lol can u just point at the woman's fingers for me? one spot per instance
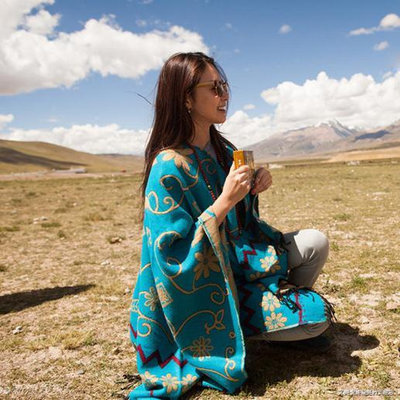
(262, 182)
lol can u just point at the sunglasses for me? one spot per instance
(220, 88)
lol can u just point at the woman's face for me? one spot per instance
(206, 106)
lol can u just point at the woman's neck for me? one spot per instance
(201, 137)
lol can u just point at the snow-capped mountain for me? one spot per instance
(325, 137)
(303, 141)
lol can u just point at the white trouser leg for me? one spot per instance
(307, 252)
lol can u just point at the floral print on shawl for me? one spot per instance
(191, 307)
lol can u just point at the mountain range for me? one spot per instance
(322, 139)
(330, 141)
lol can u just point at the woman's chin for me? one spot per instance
(220, 120)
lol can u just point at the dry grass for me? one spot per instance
(367, 154)
(66, 284)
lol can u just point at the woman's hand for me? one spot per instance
(262, 181)
(237, 184)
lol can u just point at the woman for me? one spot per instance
(212, 273)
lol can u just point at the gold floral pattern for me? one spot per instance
(218, 322)
(201, 347)
(275, 321)
(148, 378)
(163, 295)
(270, 302)
(148, 234)
(188, 379)
(207, 261)
(170, 382)
(270, 263)
(151, 299)
(134, 305)
(257, 275)
(180, 158)
(261, 286)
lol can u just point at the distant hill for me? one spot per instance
(18, 156)
(323, 139)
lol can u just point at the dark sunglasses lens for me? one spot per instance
(221, 88)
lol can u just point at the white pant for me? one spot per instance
(307, 252)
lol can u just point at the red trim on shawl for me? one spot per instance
(156, 354)
(250, 312)
(296, 296)
(246, 253)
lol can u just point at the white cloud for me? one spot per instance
(30, 59)
(381, 46)
(5, 119)
(387, 23)
(42, 23)
(390, 21)
(249, 107)
(228, 25)
(14, 12)
(359, 101)
(356, 102)
(387, 74)
(243, 130)
(89, 138)
(285, 29)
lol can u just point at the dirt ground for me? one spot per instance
(70, 251)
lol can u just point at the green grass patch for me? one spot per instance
(342, 217)
(13, 228)
(50, 224)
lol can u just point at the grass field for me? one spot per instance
(70, 252)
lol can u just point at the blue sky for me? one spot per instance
(71, 68)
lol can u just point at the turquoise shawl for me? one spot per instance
(203, 288)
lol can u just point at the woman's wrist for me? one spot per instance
(221, 207)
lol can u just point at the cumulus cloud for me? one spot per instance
(381, 46)
(249, 107)
(242, 130)
(89, 138)
(359, 101)
(285, 29)
(42, 23)
(387, 23)
(5, 119)
(33, 55)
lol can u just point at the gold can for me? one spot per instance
(244, 157)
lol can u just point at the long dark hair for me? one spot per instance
(172, 124)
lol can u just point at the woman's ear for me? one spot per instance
(188, 104)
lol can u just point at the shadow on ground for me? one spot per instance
(279, 364)
(15, 302)
(268, 365)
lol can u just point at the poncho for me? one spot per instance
(203, 288)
